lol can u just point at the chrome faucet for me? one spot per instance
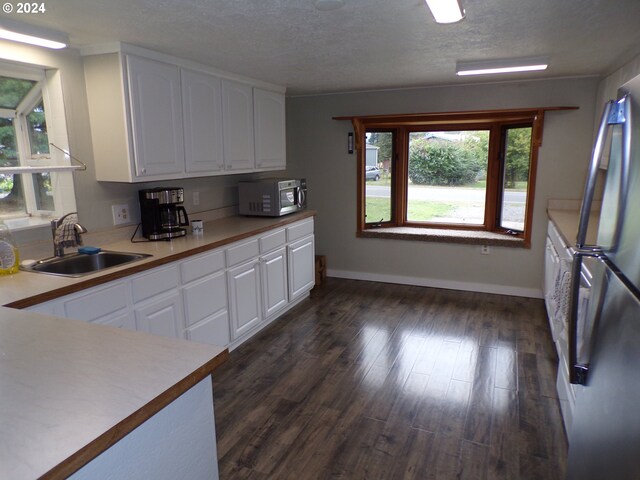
(60, 244)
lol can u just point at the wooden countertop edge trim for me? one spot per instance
(137, 418)
(141, 267)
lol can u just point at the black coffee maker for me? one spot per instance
(162, 215)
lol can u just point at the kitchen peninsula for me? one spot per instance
(80, 396)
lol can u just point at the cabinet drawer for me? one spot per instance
(299, 230)
(201, 265)
(205, 297)
(272, 240)
(241, 252)
(152, 283)
(97, 303)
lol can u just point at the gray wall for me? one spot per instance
(317, 150)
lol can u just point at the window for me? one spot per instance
(27, 96)
(467, 171)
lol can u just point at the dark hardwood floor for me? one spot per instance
(378, 381)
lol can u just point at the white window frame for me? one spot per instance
(50, 91)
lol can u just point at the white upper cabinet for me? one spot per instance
(269, 124)
(163, 118)
(156, 117)
(237, 121)
(202, 111)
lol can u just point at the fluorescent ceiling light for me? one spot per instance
(446, 11)
(25, 33)
(502, 66)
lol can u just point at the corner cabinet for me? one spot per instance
(157, 120)
(222, 296)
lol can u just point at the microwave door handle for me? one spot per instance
(302, 196)
(590, 186)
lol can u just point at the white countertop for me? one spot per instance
(567, 222)
(69, 389)
(26, 288)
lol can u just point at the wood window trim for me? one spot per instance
(489, 233)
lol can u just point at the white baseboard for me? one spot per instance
(435, 283)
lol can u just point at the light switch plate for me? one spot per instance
(485, 250)
(120, 214)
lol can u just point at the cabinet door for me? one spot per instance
(269, 124)
(161, 317)
(204, 297)
(97, 303)
(244, 298)
(124, 320)
(214, 330)
(202, 110)
(551, 265)
(156, 117)
(301, 262)
(274, 281)
(237, 114)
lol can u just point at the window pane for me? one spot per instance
(516, 178)
(13, 90)
(378, 158)
(447, 176)
(43, 191)
(37, 124)
(11, 196)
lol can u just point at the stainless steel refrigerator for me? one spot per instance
(604, 326)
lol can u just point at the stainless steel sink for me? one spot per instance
(79, 264)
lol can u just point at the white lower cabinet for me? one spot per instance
(205, 309)
(244, 298)
(161, 316)
(214, 330)
(121, 320)
(273, 269)
(301, 260)
(221, 297)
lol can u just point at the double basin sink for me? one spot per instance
(79, 264)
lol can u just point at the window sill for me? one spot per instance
(26, 223)
(443, 235)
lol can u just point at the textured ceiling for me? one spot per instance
(367, 44)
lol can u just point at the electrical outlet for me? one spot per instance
(120, 214)
(485, 250)
(196, 198)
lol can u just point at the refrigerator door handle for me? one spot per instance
(577, 372)
(622, 115)
(590, 186)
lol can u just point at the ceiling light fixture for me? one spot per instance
(446, 11)
(502, 66)
(326, 5)
(25, 33)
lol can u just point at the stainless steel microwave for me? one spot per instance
(272, 198)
